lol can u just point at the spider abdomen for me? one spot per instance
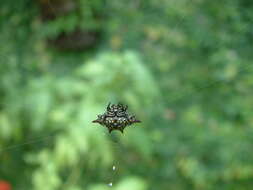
(116, 118)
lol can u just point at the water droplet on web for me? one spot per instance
(110, 184)
(113, 168)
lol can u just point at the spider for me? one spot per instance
(116, 118)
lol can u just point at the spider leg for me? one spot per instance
(109, 106)
(137, 121)
(96, 121)
(110, 129)
(121, 130)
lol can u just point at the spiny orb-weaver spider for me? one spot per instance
(116, 118)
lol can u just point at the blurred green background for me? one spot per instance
(184, 67)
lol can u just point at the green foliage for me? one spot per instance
(184, 67)
(84, 15)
